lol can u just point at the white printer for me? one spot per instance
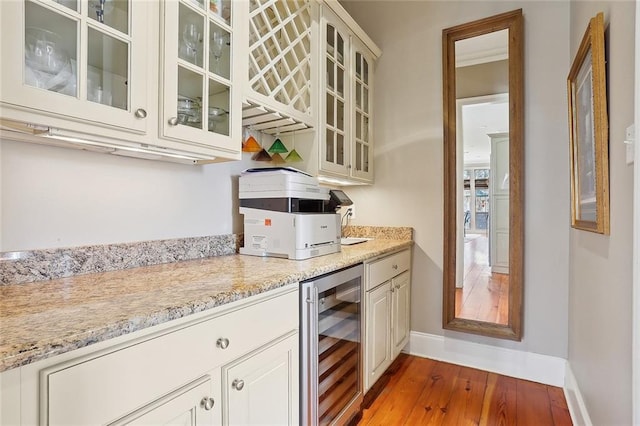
(287, 214)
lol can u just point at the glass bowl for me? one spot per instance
(44, 51)
(216, 115)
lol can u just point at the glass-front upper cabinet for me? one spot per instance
(361, 83)
(334, 139)
(78, 59)
(346, 143)
(200, 105)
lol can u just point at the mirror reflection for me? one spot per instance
(482, 120)
(483, 177)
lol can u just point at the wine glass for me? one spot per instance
(217, 45)
(191, 37)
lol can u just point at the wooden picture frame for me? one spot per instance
(589, 132)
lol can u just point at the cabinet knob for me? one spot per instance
(222, 343)
(207, 403)
(395, 267)
(173, 121)
(237, 384)
(140, 113)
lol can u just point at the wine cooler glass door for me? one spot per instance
(332, 380)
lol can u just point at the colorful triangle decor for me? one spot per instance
(251, 145)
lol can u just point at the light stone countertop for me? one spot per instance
(43, 319)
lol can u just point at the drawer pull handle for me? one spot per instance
(207, 403)
(237, 384)
(140, 113)
(222, 343)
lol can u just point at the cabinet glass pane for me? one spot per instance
(358, 156)
(330, 74)
(365, 71)
(340, 149)
(365, 128)
(189, 110)
(107, 71)
(50, 54)
(359, 95)
(358, 65)
(329, 151)
(218, 111)
(197, 3)
(330, 113)
(339, 49)
(365, 158)
(331, 34)
(340, 115)
(71, 4)
(340, 81)
(365, 99)
(114, 13)
(358, 125)
(190, 33)
(221, 9)
(219, 51)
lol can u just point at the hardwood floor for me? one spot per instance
(485, 295)
(420, 391)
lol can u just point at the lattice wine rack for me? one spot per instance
(280, 65)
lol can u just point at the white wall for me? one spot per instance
(409, 153)
(600, 290)
(57, 197)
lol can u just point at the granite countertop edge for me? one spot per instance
(18, 347)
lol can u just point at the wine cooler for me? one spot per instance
(331, 347)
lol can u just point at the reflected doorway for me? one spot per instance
(483, 292)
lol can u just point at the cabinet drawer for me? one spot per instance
(386, 268)
(101, 389)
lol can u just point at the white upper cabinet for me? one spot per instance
(345, 134)
(201, 105)
(361, 112)
(178, 79)
(335, 130)
(81, 60)
(156, 80)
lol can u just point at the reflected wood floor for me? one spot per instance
(484, 296)
(421, 391)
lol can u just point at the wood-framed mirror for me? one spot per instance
(483, 87)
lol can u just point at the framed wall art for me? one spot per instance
(589, 132)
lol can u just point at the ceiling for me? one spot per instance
(487, 114)
(477, 120)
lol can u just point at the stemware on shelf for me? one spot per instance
(191, 37)
(218, 41)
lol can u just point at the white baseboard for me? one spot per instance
(545, 369)
(575, 402)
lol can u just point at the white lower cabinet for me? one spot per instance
(237, 364)
(378, 332)
(400, 311)
(387, 312)
(261, 388)
(185, 407)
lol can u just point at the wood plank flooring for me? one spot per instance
(485, 295)
(421, 391)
